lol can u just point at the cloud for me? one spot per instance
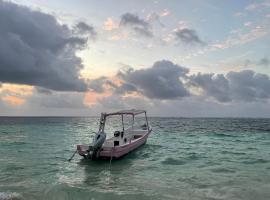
(165, 80)
(126, 88)
(112, 102)
(117, 101)
(13, 100)
(83, 28)
(137, 24)
(123, 88)
(36, 50)
(165, 13)
(105, 84)
(216, 86)
(97, 85)
(248, 85)
(56, 99)
(43, 90)
(248, 23)
(91, 98)
(243, 86)
(67, 100)
(15, 94)
(161, 81)
(188, 36)
(160, 89)
(155, 17)
(242, 38)
(110, 24)
(258, 5)
(264, 62)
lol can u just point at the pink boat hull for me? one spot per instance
(117, 151)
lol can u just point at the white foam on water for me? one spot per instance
(10, 196)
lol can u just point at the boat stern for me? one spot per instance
(83, 150)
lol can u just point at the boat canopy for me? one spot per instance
(126, 112)
(121, 113)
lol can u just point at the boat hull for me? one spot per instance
(117, 151)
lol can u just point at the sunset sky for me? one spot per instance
(197, 58)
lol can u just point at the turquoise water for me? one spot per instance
(183, 159)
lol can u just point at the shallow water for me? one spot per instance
(183, 159)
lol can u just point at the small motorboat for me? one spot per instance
(122, 142)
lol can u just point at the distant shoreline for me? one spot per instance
(149, 116)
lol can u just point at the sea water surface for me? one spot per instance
(185, 159)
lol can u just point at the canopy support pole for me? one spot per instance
(123, 122)
(132, 121)
(102, 122)
(146, 121)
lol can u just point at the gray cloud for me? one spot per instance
(264, 62)
(213, 85)
(154, 17)
(166, 80)
(119, 102)
(140, 26)
(188, 36)
(36, 50)
(126, 88)
(161, 81)
(113, 102)
(244, 86)
(97, 85)
(247, 85)
(43, 90)
(56, 99)
(83, 28)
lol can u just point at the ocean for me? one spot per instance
(185, 159)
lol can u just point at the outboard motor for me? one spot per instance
(98, 140)
(97, 143)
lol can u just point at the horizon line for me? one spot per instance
(86, 116)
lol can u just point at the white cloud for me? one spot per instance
(254, 6)
(165, 13)
(110, 24)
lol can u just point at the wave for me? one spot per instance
(257, 161)
(222, 170)
(233, 152)
(10, 196)
(225, 135)
(172, 161)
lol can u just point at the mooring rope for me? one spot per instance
(72, 156)
(111, 157)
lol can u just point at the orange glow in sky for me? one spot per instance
(14, 94)
(13, 100)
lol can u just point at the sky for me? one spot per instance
(197, 58)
